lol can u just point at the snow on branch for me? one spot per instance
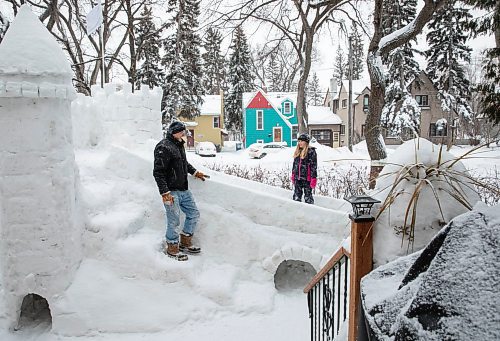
(410, 31)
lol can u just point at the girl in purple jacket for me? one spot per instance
(304, 170)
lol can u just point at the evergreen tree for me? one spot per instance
(4, 24)
(340, 65)
(313, 91)
(401, 112)
(183, 89)
(447, 51)
(358, 59)
(213, 62)
(147, 40)
(274, 73)
(489, 88)
(240, 80)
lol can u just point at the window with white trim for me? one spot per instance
(216, 120)
(287, 108)
(344, 103)
(295, 132)
(260, 119)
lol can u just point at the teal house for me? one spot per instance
(269, 117)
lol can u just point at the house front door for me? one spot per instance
(277, 134)
(190, 138)
(336, 140)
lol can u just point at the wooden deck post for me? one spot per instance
(361, 264)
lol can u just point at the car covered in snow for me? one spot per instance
(205, 149)
(259, 150)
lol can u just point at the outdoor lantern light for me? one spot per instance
(361, 206)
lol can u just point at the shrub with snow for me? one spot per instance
(422, 188)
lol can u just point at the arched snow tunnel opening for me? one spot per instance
(293, 275)
(35, 313)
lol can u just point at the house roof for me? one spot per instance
(358, 86)
(276, 98)
(211, 105)
(322, 115)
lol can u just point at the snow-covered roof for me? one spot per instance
(276, 98)
(211, 105)
(322, 115)
(29, 48)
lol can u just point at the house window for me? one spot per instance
(295, 132)
(260, 120)
(342, 129)
(363, 129)
(322, 135)
(422, 100)
(344, 103)
(287, 108)
(366, 102)
(438, 130)
(216, 122)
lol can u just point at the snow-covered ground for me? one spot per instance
(127, 289)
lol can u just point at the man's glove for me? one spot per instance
(199, 175)
(313, 182)
(167, 198)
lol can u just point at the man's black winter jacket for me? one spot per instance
(170, 166)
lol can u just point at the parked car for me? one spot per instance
(259, 150)
(255, 151)
(205, 149)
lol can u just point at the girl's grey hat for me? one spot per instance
(304, 137)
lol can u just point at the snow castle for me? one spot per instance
(40, 239)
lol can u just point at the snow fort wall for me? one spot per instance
(116, 115)
(40, 247)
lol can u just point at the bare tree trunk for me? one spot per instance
(132, 74)
(302, 116)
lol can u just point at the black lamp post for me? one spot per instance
(361, 206)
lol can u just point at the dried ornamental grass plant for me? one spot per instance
(422, 188)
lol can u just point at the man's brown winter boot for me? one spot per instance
(187, 246)
(172, 250)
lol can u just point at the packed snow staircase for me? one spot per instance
(246, 231)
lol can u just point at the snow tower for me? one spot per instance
(40, 237)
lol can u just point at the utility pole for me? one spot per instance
(349, 110)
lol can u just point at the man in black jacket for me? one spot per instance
(170, 172)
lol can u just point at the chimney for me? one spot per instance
(333, 91)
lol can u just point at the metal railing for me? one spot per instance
(327, 297)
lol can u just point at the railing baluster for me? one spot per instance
(338, 298)
(333, 298)
(346, 262)
(324, 289)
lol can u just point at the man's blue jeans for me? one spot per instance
(183, 200)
